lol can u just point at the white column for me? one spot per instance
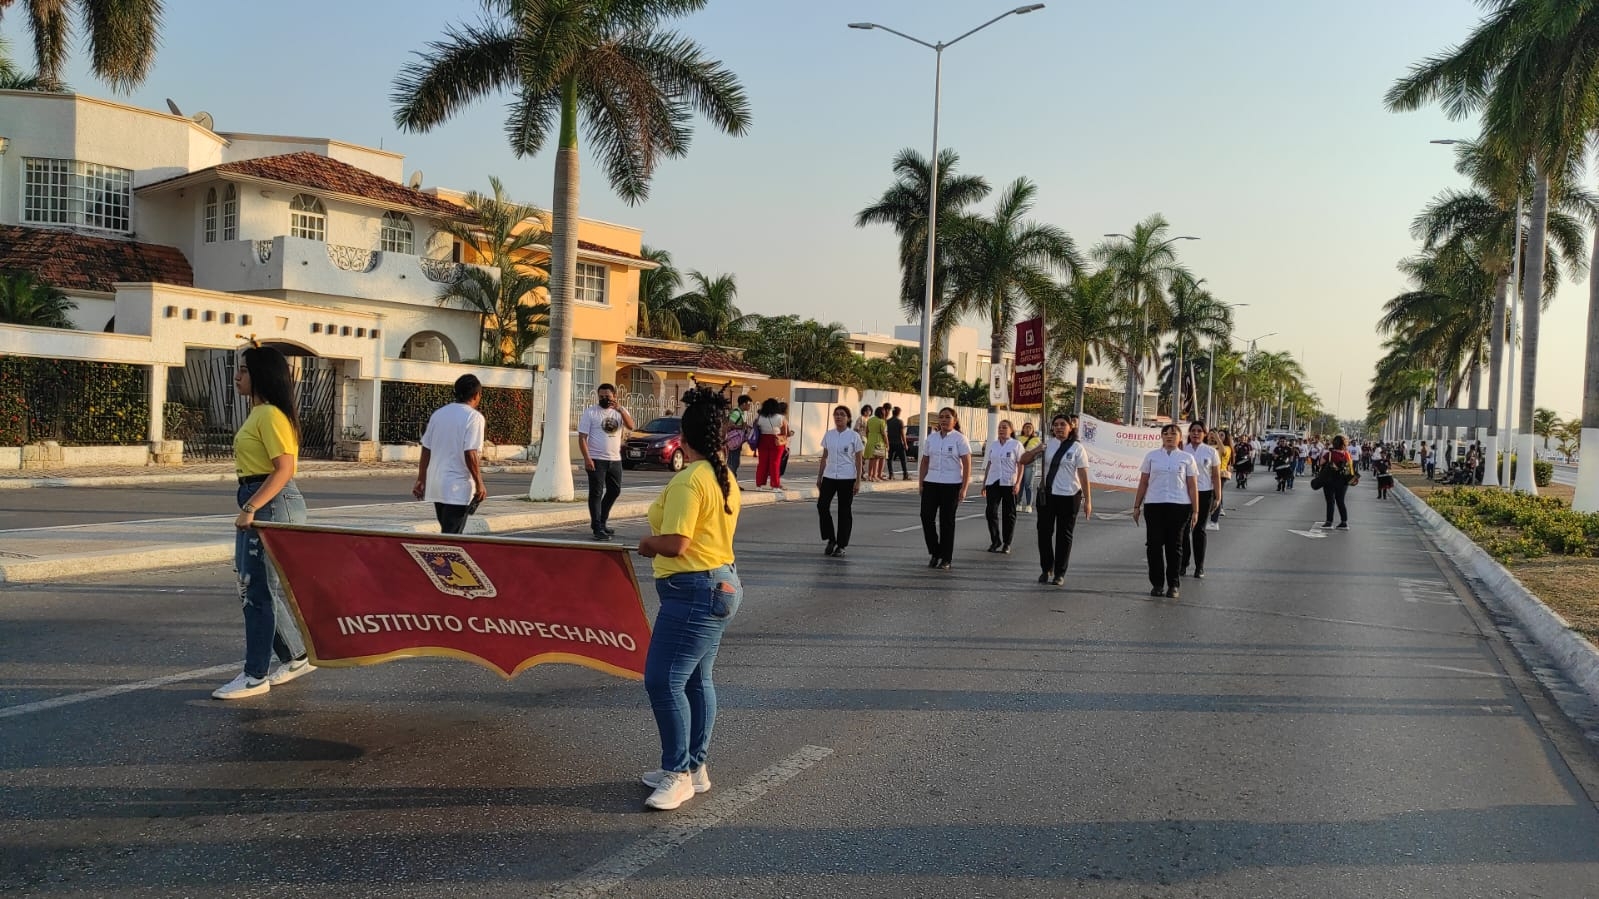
(158, 403)
(1524, 464)
(1587, 497)
(1490, 461)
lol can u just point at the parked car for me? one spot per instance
(913, 434)
(658, 443)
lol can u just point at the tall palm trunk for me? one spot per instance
(1532, 292)
(1587, 496)
(1082, 366)
(1496, 398)
(552, 479)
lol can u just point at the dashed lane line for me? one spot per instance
(44, 705)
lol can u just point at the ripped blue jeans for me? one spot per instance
(695, 608)
(269, 626)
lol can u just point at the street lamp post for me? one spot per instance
(1134, 370)
(932, 186)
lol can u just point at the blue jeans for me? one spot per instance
(1028, 471)
(695, 608)
(269, 626)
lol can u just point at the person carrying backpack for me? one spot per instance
(1337, 473)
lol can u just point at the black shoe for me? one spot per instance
(932, 562)
(1171, 592)
(1199, 573)
(993, 547)
(1156, 591)
(609, 530)
(1043, 578)
(838, 552)
(1343, 526)
(943, 565)
(1058, 580)
(601, 536)
(828, 550)
(1327, 523)
(1004, 548)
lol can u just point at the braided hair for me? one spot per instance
(704, 420)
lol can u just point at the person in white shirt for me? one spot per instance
(839, 474)
(599, 438)
(1209, 485)
(1064, 488)
(944, 474)
(1169, 479)
(449, 474)
(1002, 474)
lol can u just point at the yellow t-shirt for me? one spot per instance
(1226, 456)
(691, 506)
(264, 436)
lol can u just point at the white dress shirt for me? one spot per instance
(1168, 476)
(843, 448)
(1208, 460)
(1000, 466)
(1075, 460)
(943, 453)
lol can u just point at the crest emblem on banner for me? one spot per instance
(452, 570)
(1089, 430)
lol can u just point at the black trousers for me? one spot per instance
(897, 451)
(845, 491)
(1000, 510)
(939, 502)
(1194, 538)
(1057, 521)
(452, 518)
(1334, 492)
(1164, 524)
(734, 459)
(605, 485)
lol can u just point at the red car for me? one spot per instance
(658, 443)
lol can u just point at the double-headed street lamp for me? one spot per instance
(932, 186)
(1134, 370)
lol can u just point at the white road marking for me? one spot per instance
(917, 527)
(1253, 501)
(681, 826)
(1468, 671)
(104, 692)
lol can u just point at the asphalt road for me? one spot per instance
(1322, 716)
(38, 507)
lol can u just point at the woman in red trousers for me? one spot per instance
(772, 429)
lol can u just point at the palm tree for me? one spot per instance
(904, 207)
(1081, 326)
(1545, 422)
(1518, 69)
(710, 311)
(1003, 264)
(606, 63)
(11, 77)
(1194, 316)
(121, 34)
(657, 297)
(1143, 265)
(24, 300)
(499, 232)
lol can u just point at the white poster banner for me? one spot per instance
(998, 385)
(1115, 451)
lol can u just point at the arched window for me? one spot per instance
(397, 236)
(230, 213)
(211, 215)
(307, 218)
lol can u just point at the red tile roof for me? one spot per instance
(68, 260)
(701, 358)
(319, 172)
(601, 248)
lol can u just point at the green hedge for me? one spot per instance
(76, 403)
(406, 407)
(1516, 525)
(1543, 473)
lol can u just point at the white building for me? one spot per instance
(965, 347)
(178, 241)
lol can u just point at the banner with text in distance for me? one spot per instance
(364, 597)
(1115, 451)
(1027, 388)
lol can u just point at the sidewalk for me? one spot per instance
(211, 472)
(60, 553)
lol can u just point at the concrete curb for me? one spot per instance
(1577, 657)
(209, 552)
(139, 480)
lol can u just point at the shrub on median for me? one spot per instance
(1515, 525)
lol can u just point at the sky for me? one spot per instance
(1257, 127)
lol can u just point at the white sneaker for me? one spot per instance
(287, 671)
(700, 777)
(674, 790)
(1212, 526)
(241, 687)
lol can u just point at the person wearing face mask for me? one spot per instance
(1209, 484)
(839, 474)
(1000, 475)
(1064, 488)
(600, 431)
(944, 473)
(1169, 479)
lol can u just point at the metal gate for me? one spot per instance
(204, 409)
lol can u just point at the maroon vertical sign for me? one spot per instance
(1027, 390)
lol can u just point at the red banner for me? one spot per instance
(1027, 387)
(364, 597)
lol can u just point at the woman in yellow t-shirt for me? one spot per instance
(264, 454)
(691, 543)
